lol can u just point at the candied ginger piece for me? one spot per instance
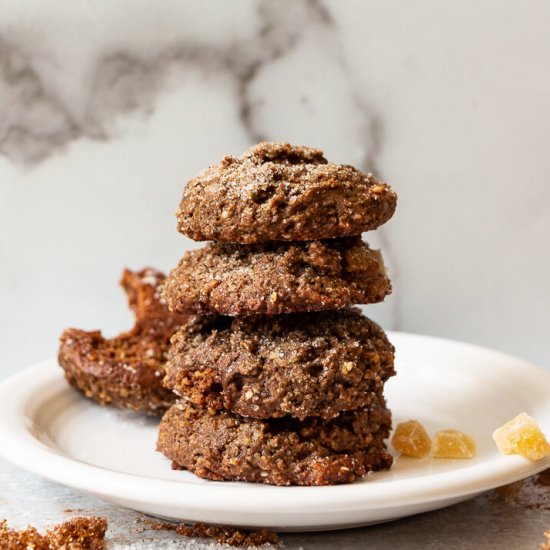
(522, 436)
(453, 444)
(411, 439)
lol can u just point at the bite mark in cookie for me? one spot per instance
(126, 371)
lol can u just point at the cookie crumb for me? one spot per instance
(222, 534)
(80, 533)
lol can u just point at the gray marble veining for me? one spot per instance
(107, 108)
(122, 82)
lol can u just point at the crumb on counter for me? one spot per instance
(222, 534)
(80, 533)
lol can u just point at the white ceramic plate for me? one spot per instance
(48, 428)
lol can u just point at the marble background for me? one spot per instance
(107, 108)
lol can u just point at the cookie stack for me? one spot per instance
(280, 379)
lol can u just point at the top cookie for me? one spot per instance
(281, 192)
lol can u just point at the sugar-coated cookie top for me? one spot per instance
(282, 192)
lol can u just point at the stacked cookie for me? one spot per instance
(280, 379)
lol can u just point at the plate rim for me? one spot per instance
(23, 449)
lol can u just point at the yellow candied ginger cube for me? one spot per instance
(411, 439)
(453, 444)
(522, 436)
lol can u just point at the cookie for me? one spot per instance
(272, 278)
(281, 192)
(126, 371)
(283, 451)
(306, 364)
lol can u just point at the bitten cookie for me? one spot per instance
(126, 371)
(232, 279)
(277, 191)
(306, 364)
(285, 451)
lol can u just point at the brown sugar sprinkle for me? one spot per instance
(221, 534)
(81, 533)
